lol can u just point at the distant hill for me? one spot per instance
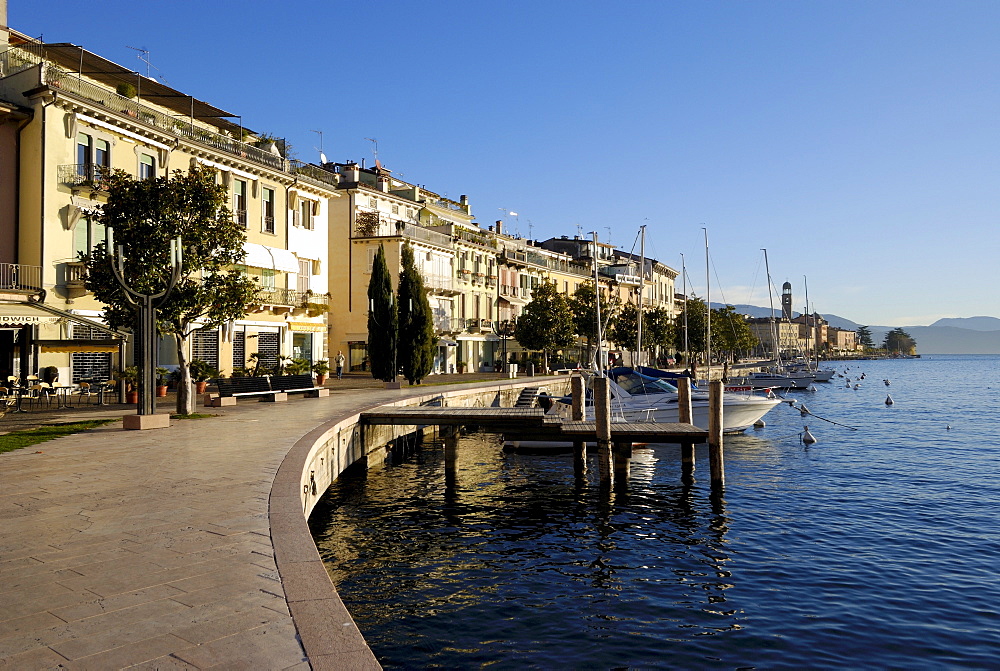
(970, 323)
(953, 335)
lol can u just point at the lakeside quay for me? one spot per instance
(179, 547)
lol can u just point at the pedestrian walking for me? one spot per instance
(340, 364)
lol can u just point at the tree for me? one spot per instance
(383, 330)
(696, 325)
(730, 333)
(546, 323)
(416, 322)
(583, 305)
(865, 337)
(658, 329)
(145, 215)
(898, 340)
(624, 331)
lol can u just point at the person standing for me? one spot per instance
(340, 364)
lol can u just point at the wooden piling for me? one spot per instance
(684, 416)
(602, 424)
(450, 435)
(579, 446)
(715, 458)
(622, 462)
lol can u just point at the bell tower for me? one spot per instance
(786, 301)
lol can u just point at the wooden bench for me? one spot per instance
(271, 389)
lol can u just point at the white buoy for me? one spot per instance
(803, 410)
(807, 437)
(759, 424)
(888, 400)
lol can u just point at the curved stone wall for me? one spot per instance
(329, 636)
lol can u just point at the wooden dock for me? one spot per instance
(534, 424)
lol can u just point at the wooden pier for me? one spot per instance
(526, 424)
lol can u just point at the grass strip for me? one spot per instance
(194, 415)
(28, 437)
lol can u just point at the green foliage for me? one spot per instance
(126, 90)
(731, 334)
(144, 216)
(546, 323)
(583, 304)
(297, 366)
(865, 337)
(162, 374)
(382, 321)
(202, 371)
(417, 341)
(16, 440)
(898, 340)
(696, 323)
(658, 328)
(321, 367)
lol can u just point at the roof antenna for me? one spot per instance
(322, 156)
(143, 56)
(374, 150)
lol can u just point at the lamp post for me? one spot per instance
(145, 306)
(505, 329)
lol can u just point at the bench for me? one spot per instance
(269, 388)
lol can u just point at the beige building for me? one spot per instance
(68, 116)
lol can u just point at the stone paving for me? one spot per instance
(152, 549)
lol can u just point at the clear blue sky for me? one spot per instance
(857, 141)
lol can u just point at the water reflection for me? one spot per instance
(507, 557)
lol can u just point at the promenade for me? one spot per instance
(153, 549)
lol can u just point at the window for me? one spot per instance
(240, 201)
(305, 275)
(86, 234)
(373, 203)
(306, 210)
(267, 225)
(147, 166)
(395, 209)
(102, 153)
(91, 152)
(89, 366)
(267, 278)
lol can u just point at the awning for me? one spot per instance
(308, 327)
(261, 256)
(19, 313)
(78, 346)
(513, 301)
(444, 342)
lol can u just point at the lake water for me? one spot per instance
(875, 548)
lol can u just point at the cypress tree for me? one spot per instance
(416, 323)
(382, 321)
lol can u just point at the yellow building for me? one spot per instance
(69, 115)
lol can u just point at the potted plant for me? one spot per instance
(461, 366)
(126, 90)
(130, 378)
(161, 381)
(321, 368)
(201, 372)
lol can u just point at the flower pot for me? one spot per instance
(320, 380)
(161, 390)
(132, 397)
(199, 387)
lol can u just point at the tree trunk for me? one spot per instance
(185, 399)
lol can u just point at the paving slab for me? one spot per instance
(154, 549)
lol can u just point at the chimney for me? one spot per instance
(499, 226)
(350, 172)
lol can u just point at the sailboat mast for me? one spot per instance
(770, 300)
(642, 291)
(809, 326)
(597, 296)
(708, 313)
(684, 283)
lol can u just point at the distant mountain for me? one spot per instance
(957, 335)
(970, 323)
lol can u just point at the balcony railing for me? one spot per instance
(65, 81)
(315, 172)
(19, 277)
(439, 282)
(267, 226)
(240, 217)
(275, 296)
(450, 324)
(83, 174)
(19, 58)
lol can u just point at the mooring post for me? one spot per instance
(623, 460)
(450, 435)
(684, 416)
(602, 425)
(715, 459)
(579, 446)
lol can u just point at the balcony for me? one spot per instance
(75, 274)
(267, 224)
(240, 217)
(86, 175)
(279, 297)
(440, 284)
(19, 278)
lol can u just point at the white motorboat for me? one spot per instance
(640, 398)
(800, 380)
